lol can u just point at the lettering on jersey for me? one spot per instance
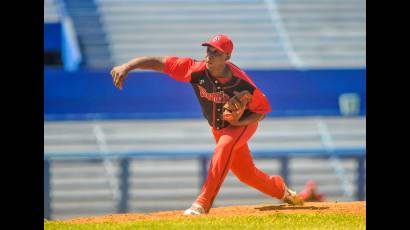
(219, 97)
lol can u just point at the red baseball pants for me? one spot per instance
(232, 153)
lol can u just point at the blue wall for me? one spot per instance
(91, 94)
(52, 36)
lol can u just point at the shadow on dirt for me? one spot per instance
(287, 207)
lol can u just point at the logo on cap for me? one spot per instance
(221, 42)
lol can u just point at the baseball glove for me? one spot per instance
(233, 109)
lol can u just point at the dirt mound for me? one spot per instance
(357, 208)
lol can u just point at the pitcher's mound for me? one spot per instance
(357, 208)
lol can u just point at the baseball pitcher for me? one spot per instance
(232, 104)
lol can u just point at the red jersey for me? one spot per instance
(213, 93)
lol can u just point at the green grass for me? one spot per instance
(274, 221)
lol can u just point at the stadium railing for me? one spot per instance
(359, 154)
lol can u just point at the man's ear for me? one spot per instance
(228, 57)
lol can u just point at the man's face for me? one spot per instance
(214, 57)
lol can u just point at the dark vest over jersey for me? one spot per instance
(211, 93)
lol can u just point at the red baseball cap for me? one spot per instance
(220, 42)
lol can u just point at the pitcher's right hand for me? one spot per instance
(119, 74)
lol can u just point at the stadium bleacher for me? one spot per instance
(90, 187)
(267, 34)
(326, 33)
